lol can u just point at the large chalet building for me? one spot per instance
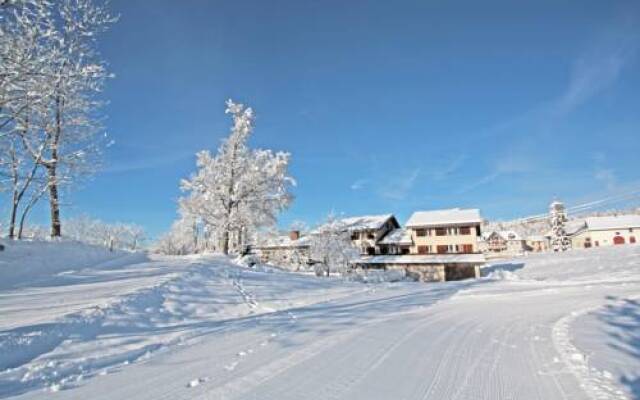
(435, 245)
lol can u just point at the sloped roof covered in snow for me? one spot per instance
(453, 216)
(366, 222)
(510, 235)
(283, 241)
(397, 236)
(422, 259)
(537, 238)
(613, 222)
(504, 235)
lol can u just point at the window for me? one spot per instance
(443, 249)
(384, 250)
(370, 235)
(465, 230)
(421, 232)
(355, 236)
(441, 232)
(423, 249)
(404, 250)
(371, 251)
(467, 248)
(632, 239)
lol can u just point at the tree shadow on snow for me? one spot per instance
(510, 266)
(175, 308)
(622, 317)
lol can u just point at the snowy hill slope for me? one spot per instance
(25, 263)
(59, 328)
(544, 327)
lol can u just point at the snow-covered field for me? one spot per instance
(83, 323)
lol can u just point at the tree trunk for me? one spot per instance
(14, 212)
(54, 200)
(26, 211)
(15, 200)
(54, 203)
(225, 242)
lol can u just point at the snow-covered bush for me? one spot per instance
(320, 270)
(331, 246)
(248, 260)
(502, 275)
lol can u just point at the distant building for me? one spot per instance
(606, 231)
(503, 242)
(538, 243)
(436, 245)
(289, 251)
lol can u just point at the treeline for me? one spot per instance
(84, 229)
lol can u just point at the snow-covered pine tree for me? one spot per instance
(558, 217)
(239, 189)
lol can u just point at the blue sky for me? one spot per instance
(384, 106)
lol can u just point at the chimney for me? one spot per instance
(294, 235)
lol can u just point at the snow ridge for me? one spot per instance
(598, 385)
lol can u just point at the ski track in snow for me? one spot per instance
(203, 328)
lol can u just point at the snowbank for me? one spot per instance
(24, 263)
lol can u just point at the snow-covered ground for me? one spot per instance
(130, 326)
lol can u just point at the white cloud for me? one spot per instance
(359, 184)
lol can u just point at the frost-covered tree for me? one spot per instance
(123, 236)
(51, 77)
(182, 238)
(23, 61)
(331, 246)
(239, 189)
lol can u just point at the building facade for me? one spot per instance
(538, 243)
(607, 231)
(289, 251)
(366, 232)
(435, 245)
(503, 243)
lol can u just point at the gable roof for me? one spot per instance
(366, 222)
(282, 242)
(453, 216)
(613, 222)
(397, 236)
